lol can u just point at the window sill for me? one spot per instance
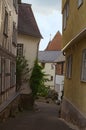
(80, 5)
(83, 81)
(69, 78)
(6, 35)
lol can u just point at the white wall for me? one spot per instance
(50, 72)
(59, 82)
(30, 48)
(30, 52)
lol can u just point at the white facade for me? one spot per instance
(59, 84)
(49, 70)
(30, 51)
(30, 47)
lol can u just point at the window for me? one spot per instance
(7, 73)
(13, 74)
(83, 75)
(3, 74)
(6, 24)
(14, 36)
(60, 68)
(15, 4)
(0, 75)
(19, 49)
(65, 14)
(51, 78)
(80, 2)
(52, 66)
(69, 67)
(43, 65)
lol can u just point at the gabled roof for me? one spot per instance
(60, 58)
(26, 21)
(55, 44)
(50, 56)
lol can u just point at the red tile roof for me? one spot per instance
(26, 21)
(55, 44)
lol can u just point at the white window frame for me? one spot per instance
(64, 19)
(65, 14)
(69, 67)
(80, 2)
(83, 73)
(5, 31)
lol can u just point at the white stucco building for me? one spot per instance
(29, 37)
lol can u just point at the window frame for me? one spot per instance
(2, 75)
(65, 14)
(80, 2)
(43, 64)
(12, 74)
(18, 49)
(5, 30)
(15, 4)
(14, 35)
(69, 66)
(51, 78)
(83, 66)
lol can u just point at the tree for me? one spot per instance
(37, 79)
(22, 72)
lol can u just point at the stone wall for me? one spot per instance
(9, 107)
(15, 104)
(71, 114)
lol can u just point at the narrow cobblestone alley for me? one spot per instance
(44, 118)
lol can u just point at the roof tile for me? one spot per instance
(55, 44)
(26, 21)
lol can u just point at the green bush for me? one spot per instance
(22, 72)
(37, 80)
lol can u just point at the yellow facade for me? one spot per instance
(74, 42)
(76, 20)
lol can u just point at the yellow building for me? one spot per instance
(74, 48)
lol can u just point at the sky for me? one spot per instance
(48, 17)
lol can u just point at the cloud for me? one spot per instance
(45, 7)
(48, 17)
(48, 24)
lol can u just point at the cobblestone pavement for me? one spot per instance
(45, 117)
